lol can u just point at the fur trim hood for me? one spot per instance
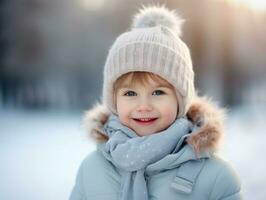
(202, 112)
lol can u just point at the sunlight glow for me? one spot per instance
(254, 4)
(92, 5)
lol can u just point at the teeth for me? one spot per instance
(145, 119)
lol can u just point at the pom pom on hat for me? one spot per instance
(154, 16)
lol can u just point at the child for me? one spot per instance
(156, 138)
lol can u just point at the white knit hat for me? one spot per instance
(152, 45)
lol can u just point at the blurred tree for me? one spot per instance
(53, 52)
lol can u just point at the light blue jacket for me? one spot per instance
(180, 176)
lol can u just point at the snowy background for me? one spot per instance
(40, 152)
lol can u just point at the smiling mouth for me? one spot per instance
(145, 121)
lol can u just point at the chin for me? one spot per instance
(143, 134)
(146, 133)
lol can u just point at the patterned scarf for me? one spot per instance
(132, 153)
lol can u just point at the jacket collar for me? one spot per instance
(202, 111)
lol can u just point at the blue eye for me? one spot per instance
(158, 92)
(130, 93)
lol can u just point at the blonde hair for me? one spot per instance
(136, 77)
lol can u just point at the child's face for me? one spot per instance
(148, 108)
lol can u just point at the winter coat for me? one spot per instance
(182, 175)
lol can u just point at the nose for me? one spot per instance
(144, 105)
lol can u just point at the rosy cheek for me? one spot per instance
(123, 120)
(123, 114)
(169, 119)
(171, 115)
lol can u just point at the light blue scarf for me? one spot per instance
(133, 153)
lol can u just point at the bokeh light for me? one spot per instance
(92, 5)
(257, 5)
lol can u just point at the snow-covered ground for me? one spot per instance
(40, 152)
(245, 147)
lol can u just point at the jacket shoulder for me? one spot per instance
(226, 182)
(94, 174)
(97, 168)
(93, 159)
